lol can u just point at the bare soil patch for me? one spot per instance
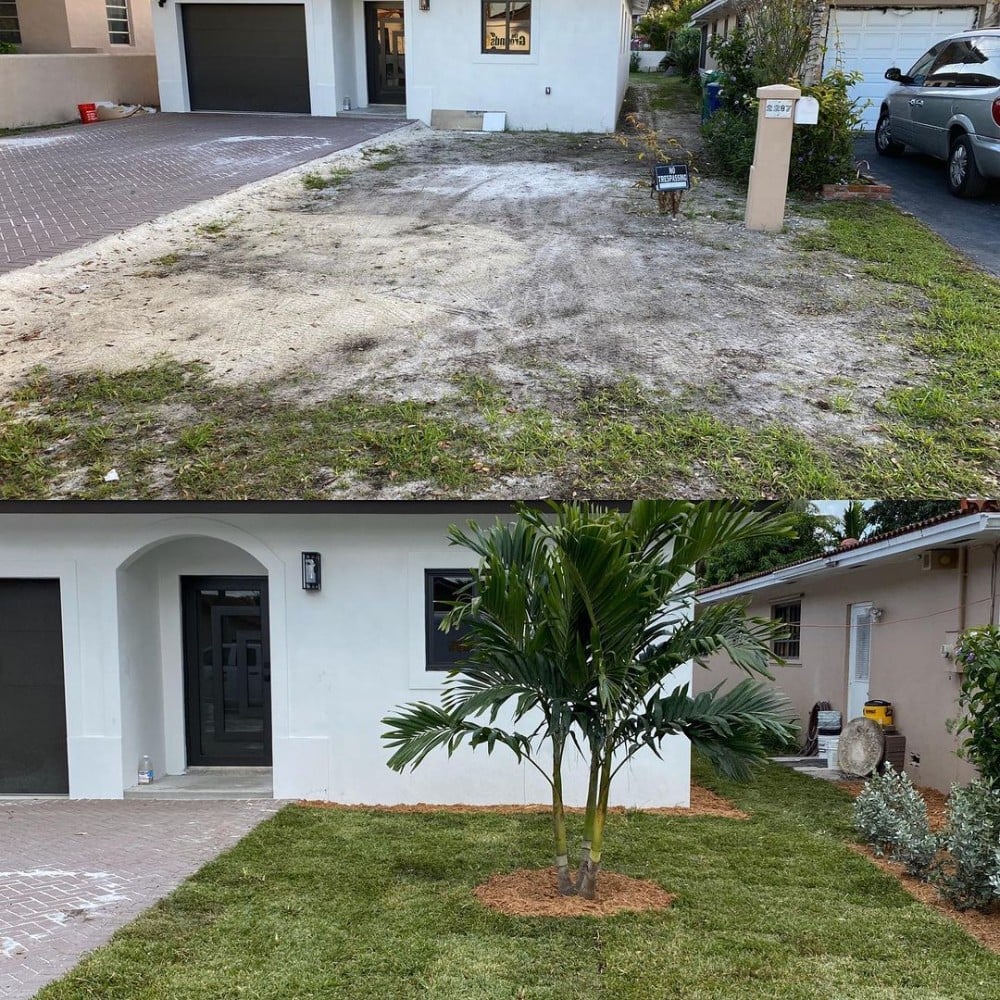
(703, 803)
(531, 892)
(538, 260)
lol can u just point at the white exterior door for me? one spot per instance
(859, 659)
(871, 41)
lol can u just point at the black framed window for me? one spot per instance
(790, 615)
(119, 27)
(507, 26)
(442, 589)
(10, 27)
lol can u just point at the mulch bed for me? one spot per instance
(531, 892)
(984, 927)
(703, 803)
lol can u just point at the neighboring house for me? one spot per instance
(71, 52)
(857, 36)
(61, 26)
(543, 64)
(185, 631)
(880, 619)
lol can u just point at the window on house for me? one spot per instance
(10, 29)
(443, 588)
(119, 28)
(507, 26)
(790, 615)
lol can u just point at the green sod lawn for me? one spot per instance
(369, 904)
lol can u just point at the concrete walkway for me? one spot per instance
(73, 872)
(68, 187)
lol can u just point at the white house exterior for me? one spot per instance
(545, 64)
(111, 615)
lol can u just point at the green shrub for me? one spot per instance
(892, 817)
(8, 49)
(979, 654)
(824, 153)
(660, 24)
(729, 141)
(634, 63)
(686, 51)
(969, 876)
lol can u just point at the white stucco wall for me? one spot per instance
(580, 54)
(341, 658)
(575, 51)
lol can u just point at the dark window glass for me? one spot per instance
(444, 588)
(982, 63)
(948, 66)
(919, 70)
(119, 31)
(10, 29)
(790, 615)
(507, 26)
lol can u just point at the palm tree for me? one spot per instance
(575, 624)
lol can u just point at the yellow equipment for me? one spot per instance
(879, 711)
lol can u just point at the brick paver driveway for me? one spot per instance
(68, 187)
(71, 873)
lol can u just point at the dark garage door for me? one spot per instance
(246, 57)
(32, 692)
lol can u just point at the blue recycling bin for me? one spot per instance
(713, 99)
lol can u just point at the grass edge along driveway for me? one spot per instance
(372, 904)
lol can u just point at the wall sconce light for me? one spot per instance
(311, 573)
(877, 614)
(425, 4)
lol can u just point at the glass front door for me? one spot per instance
(227, 670)
(386, 46)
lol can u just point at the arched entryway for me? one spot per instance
(195, 655)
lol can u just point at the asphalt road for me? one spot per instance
(919, 187)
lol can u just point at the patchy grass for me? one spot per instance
(214, 228)
(956, 412)
(320, 182)
(27, 129)
(384, 157)
(371, 904)
(172, 431)
(168, 260)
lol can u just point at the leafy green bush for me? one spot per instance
(686, 51)
(969, 877)
(979, 654)
(7, 49)
(892, 817)
(729, 141)
(824, 153)
(634, 62)
(661, 23)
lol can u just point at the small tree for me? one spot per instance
(575, 627)
(978, 653)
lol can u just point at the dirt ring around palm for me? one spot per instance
(531, 892)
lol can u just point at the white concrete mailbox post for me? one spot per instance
(771, 157)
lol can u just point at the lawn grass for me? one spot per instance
(171, 430)
(370, 904)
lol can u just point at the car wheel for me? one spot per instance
(964, 178)
(885, 145)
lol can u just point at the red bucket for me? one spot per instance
(88, 112)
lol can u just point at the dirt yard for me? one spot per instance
(537, 261)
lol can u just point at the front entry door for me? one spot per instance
(227, 670)
(859, 659)
(386, 53)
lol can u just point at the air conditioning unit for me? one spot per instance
(939, 559)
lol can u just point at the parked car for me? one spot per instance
(948, 105)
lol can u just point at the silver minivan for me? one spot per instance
(948, 105)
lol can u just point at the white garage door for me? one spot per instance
(873, 40)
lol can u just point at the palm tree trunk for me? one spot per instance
(565, 883)
(588, 819)
(588, 885)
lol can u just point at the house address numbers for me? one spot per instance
(778, 109)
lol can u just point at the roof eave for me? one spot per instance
(932, 536)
